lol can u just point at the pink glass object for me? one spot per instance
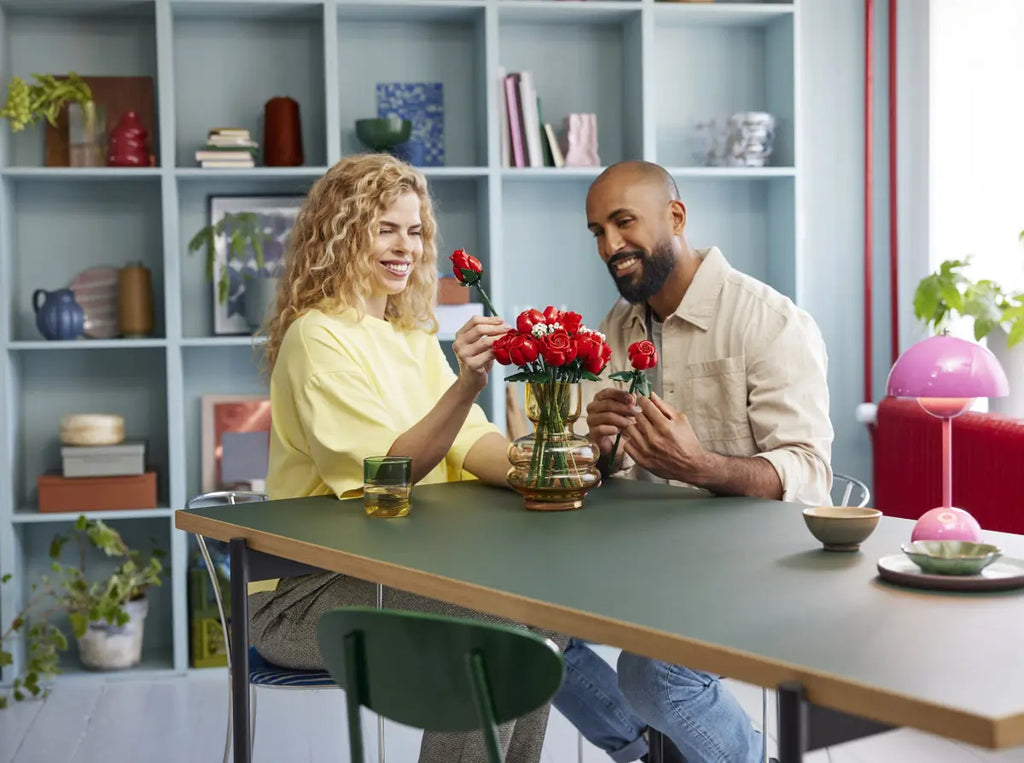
(946, 523)
(945, 374)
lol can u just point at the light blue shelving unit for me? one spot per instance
(647, 69)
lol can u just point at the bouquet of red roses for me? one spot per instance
(552, 467)
(552, 346)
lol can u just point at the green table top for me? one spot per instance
(732, 585)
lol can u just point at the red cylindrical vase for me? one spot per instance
(282, 133)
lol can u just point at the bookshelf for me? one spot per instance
(647, 69)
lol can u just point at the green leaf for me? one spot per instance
(5, 578)
(1016, 334)
(79, 623)
(6, 658)
(621, 376)
(469, 277)
(982, 326)
(590, 376)
(528, 376)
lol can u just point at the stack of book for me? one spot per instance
(526, 140)
(228, 148)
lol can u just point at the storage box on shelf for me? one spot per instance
(646, 69)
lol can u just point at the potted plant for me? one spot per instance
(997, 314)
(27, 104)
(244, 235)
(106, 615)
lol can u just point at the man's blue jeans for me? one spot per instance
(691, 707)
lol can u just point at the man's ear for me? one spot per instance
(677, 210)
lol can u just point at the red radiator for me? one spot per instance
(988, 464)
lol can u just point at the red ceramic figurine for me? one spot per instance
(127, 145)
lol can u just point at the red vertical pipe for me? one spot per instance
(894, 313)
(869, 179)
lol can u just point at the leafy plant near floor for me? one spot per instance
(70, 592)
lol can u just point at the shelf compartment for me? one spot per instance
(410, 10)
(546, 11)
(157, 644)
(580, 68)
(752, 222)
(53, 385)
(744, 68)
(668, 14)
(213, 370)
(91, 39)
(222, 49)
(59, 230)
(421, 48)
(543, 251)
(223, 341)
(194, 200)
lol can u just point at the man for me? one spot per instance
(739, 407)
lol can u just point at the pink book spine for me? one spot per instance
(513, 122)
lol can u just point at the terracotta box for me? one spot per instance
(451, 292)
(57, 493)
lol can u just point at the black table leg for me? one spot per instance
(240, 651)
(792, 723)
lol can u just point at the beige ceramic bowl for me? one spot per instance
(841, 528)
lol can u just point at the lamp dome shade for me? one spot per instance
(946, 366)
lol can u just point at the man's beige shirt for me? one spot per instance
(747, 367)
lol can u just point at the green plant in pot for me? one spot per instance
(948, 293)
(243, 233)
(105, 614)
(27, 104)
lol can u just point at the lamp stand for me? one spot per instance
(947, 461)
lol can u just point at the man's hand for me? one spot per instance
(663, 442)
(611, 411)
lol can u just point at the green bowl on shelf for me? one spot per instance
(951, 557)
(385, 133)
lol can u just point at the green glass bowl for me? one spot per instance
(951, 557)
(385, 133)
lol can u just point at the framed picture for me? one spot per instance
(276, 218)
(235, 441)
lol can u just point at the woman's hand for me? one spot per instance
(472, 347)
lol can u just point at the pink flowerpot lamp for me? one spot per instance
(945, 374)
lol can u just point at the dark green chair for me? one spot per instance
(434, 672)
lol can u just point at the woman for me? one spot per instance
(356, 370)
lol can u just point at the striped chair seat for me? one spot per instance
(263, 673)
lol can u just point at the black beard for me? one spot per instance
(655, 268)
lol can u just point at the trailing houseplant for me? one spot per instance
(948, 293)
(103, 603)
(244, 232)
(27, 104)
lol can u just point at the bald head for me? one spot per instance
(648, 174)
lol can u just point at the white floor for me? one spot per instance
(90, 720)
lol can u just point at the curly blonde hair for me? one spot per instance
(329, 262)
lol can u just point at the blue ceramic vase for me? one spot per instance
(59, 316)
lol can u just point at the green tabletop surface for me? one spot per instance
(733, 585)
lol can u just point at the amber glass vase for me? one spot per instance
(552, 467)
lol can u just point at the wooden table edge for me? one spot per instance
(821, 688)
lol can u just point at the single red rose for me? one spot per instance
(552, 314)
(593, 353)
(501, 346)
(642, 355)
(571, 322)
(558, 348)
(461, 262)
(523, 349)
(528, 319)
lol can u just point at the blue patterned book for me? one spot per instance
(423, 104)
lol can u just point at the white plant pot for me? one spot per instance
(115, 647)
(1012, 361)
